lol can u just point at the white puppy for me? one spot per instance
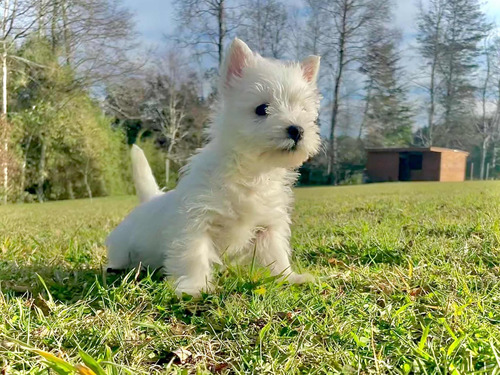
(235, 195)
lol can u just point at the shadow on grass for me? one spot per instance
(126, 292)
(369, 255)
(99, 288)
(64, 284)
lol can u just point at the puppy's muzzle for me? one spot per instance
(295, 133)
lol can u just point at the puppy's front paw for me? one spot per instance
(297, 278)
(190, 286)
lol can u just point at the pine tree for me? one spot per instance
(430, 38)
(464, 26)
(388, 119)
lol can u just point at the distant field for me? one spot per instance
(408, 282)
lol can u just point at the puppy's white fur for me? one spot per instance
(235, 194)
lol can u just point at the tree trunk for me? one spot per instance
(485, 128)
(4, 106)
(222, 31)
(69, 188)
(41, 170)
(332, 145)
(167, 171)
(332, 149)
(40, 18)
(432, 89)
(5, 162)
(432, 107)
(23, 166)
(86, 179)
(66, 34)
(450, 93)
(366, 109)
(448, 105)
(53, 25)
(484, 150)
(496, 128)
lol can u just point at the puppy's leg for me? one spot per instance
(192, 265)
(273, 251)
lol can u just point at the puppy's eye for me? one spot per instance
(261, 110)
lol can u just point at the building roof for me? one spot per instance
(414, 149)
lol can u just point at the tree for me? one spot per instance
(94, 37)
(350, 21)
(67, 146)
(465, 26)
(90, 36)
(495, 139)
(316, 29)
(166, 106)
(163, 106)
(487, 121)
(265, 27)
(203, 25)
(430, 38)
(388, 116)
(17, 21)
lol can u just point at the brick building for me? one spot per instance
(415, 164)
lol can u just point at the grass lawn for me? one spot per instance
(408, 282)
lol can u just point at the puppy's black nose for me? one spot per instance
(295, 132)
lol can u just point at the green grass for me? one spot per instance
(408, 282)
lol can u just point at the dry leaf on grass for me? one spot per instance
(182, 354)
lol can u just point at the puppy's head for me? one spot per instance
(269, 108)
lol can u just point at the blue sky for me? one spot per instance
(154, 18)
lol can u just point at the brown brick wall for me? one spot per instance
(453, 166)
(430, 168)
(442, 165)
(382, 166)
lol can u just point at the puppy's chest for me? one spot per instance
(253, 203)
(245, 211)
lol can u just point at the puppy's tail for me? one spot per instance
(144, 181)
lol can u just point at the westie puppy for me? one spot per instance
(235, 194)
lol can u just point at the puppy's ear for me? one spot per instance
(310, 68)
(238, 56)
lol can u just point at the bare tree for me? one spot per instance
(430, 38)
(265, 27)
(295, 37)
(94, 37)
(163, 104)
(166, 107)
(204, 25)
(350, 21)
